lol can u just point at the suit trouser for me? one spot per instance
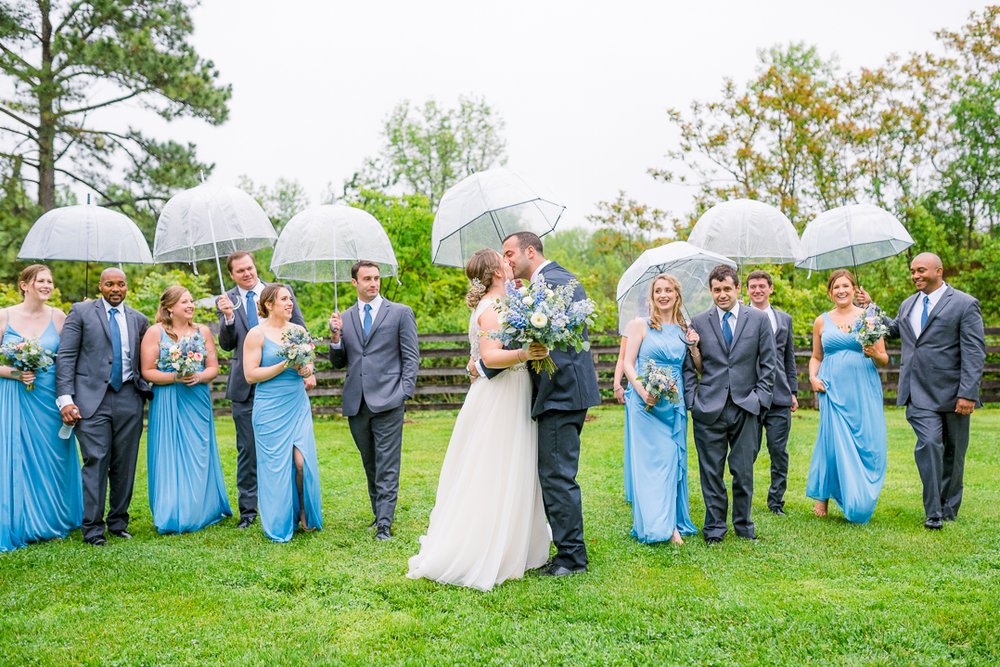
(734, 436)
(379, 437)
(777, 422)
(246, 457)
(109, 446)
(558, 463)
(942, 441)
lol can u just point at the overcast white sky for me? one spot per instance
(582, 86)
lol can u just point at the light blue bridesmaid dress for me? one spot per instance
(282, 421)
(52, 497)
(11, 473)
(186, 489)
(849, 459)
(656, 446)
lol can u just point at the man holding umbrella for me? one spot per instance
(234, 323)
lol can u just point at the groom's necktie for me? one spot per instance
(251, 306)
(727, 331)
(366, 324)
(923, 315)
(116, 350)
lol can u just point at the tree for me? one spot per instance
(69, 63)
(428, 149)
(280, 201)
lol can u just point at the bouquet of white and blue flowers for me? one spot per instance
(185, 356)
(870, 326)
(297, 347)
(658, 383)
(26, 355)
(536, 313)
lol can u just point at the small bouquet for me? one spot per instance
(870, 326)
(298, 348)
(658, 383)
(536, 313)
(26, 355)
(185, 356)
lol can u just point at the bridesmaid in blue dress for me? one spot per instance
(44, 469)
(186, 489)
(656, 439)
(849, 459)
(287, 470)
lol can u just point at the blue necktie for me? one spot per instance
(252, 320)
(116, 350)
(366, 324)
(727, 331)
(923, 315)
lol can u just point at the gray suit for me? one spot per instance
(941, 365)
(110, 422)
(777, 420)
(381, 375)
(727, 403)
(231, 337)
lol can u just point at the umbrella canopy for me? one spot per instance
(747, 231)
(86, 233)
(685, 261)
(850, 236)
(321, 244)
(481, 210)
(207, 222)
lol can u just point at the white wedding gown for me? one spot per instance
(488, 522)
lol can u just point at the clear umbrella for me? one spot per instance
(685, 261)
(481, 210)
(321, 243)
(208, 222)
(850, 236)
(748, 231)
(86, 233)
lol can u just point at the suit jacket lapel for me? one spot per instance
(133, 333)
(941, 305)
(102, 316)
(382, 312)
(241, 312)
(904, 314)
(741, 323)
(354, 315)
(713, 321)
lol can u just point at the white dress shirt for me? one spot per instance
(537, 272)
(375, 303)
(256, 289)
(918, 308)
(732, 321)
(771, 316)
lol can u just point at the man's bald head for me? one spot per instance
(112, 272)
(927, 272)
(114, 286)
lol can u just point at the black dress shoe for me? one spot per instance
(373, 524)
(124, 534)
(933, 524)
(98, 541)
(382, 533)
(777, 511)
(713, 540)
(245, 522)
(554, 570)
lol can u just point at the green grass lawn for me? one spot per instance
(809, 591)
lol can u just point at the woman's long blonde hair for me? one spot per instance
(654, 313)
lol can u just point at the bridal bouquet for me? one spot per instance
(185, 356)
(870, 326)
(536, 313)
(658, 383)
(298, 348)
(26, 355)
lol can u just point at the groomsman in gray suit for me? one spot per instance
(376, 340)
(234, 323)
(777, 420)
(728, 381)
(100, 390)
(944, 349)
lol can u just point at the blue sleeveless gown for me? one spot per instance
(186, 488)
(11, 473)
(51, 495)
(282, 421)
(849, 458)
(656, 446)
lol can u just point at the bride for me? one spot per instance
(488, 522)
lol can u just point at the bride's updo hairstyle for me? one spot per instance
(480, 270)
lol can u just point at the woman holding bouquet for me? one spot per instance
(848, 462)
(186, 488)
(41, 496)
(656, 425)
(287, 469)
(488, 522)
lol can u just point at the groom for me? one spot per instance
(559, 407)
(728, 400)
